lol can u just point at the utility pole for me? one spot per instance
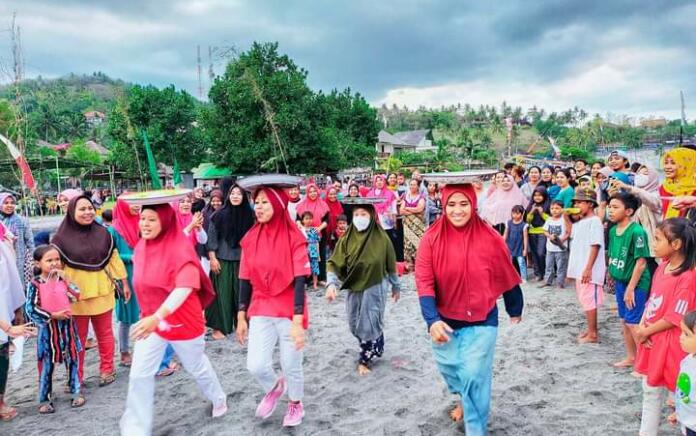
(200, 80)
(211, 73)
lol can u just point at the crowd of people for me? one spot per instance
(238, 264)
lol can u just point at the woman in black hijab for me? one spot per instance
(227, 228)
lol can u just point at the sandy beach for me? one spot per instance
(543, 384)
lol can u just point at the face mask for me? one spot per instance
(641, 180)
(361, 223)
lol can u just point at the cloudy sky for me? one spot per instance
(618, 56)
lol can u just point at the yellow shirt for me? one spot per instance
(96, 290)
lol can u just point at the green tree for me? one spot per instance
(263, 117)
(80, 152)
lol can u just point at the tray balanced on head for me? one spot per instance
(459, 177)
(159, 196)
(281, 180)
(362, 200)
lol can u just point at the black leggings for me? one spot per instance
(537, 248)
(4, 366)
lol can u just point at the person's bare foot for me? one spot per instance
(672, 418)
(217, 335)
(90, 343)
(626, 363)
(588, 339)
(457, 413)
(363, 369)
(126, 359)
(583, 334)
(636, 374)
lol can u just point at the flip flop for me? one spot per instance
(46, 409)
(107, 379)
(166, 372)
(78, 402)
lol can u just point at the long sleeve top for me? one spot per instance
(514, 303)
(222, 248)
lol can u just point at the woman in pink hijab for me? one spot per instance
(497, 209)
(320, 220)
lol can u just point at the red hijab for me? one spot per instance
(335, 210)
(465, 268)
(159, 261)
(125, 223)
(268, 247)
(318, 207)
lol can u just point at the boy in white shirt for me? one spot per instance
(586, 263)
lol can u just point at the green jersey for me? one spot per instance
(624, 250)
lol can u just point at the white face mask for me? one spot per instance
(361, 222)
(641, 180)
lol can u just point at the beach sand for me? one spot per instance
(544, 384)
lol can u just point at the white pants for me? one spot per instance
(147, 356)
(653, 400)
(264, 333)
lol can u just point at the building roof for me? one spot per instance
(97, 147)
(409, 138)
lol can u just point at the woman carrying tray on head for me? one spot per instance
(172, 291)
(364, 263)
(272, 274)
(462, 267)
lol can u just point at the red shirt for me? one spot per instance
(280, 305)
(187, 321)
(671, 297)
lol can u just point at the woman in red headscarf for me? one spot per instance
(124, 230)
(335, 210)
(462, 267)
(172, 290)
(320, 220)
(272, 275)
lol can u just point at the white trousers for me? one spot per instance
(653, 400)
(264, 333)
(147, 356)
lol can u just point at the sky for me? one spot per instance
(605, 56)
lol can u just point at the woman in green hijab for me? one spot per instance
(364, 263)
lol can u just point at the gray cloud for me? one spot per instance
(380, 46)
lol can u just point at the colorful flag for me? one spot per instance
(151, 164)
(27, 177)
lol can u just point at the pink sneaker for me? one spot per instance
(220, 409)
(294, 415)
(270, 400)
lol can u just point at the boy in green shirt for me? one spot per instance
(628, 258)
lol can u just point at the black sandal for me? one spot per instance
(46, 409)
(78, 402)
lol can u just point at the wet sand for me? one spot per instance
(544, 384)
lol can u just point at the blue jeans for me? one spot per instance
(466, 364)
(520, 264)
(168, 354)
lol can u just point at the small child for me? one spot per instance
(586, 263)
(672, 295)
(341, 226)
(313, 238)
(107, 217)
(628, 260)
(557, 232)
(517, 238)
(685, 395)
(58, 341)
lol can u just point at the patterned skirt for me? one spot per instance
(414, 228)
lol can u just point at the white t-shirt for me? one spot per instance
(555, 226)
(584, 234)
(685, 394)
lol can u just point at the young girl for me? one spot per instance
(313, 238)
(517, 238)
(685, 394)
(536, 214)
(672, 295)
(58, 341)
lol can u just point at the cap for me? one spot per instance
(585, 194)
(621, 153)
